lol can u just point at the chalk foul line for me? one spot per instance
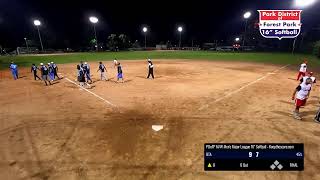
(94, 94)
(243, 87)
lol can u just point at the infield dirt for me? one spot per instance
(63, 132)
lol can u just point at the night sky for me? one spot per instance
(65, 23)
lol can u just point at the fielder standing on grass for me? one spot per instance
(102, 70)
(300, 95)
(14, 70)
(44, 74)
(34, 69)
(150, 69)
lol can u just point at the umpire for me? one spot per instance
(150, 69)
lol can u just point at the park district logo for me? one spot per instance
(280, 23)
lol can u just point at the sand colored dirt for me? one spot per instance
(63, 132)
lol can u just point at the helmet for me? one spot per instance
(311, 73)
(51, 62)
(41, 64)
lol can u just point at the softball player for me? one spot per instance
(82, 79)
(150, 69)
(309, 75)
(86, 69)
(302, 70)
(34, 69)
(44, 73)
(102, 70)
(55, 70)
(120, 75)
(51, 72)
(14, 70)
(300, 95)
(115, 62)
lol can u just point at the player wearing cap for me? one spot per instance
(302, 70)
(55, 70)
(120, 75)
(51, 72)
(44, 73)
(300, 95)
(150, 69)
(309, 75)
(86, 69)
(14, 70)
(34, 69)
(102, 70)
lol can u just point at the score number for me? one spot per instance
(253, 154)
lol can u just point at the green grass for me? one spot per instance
(273, 58)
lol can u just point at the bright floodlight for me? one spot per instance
(303, 3)
(180, 29)
(237, 39)
(36, 22)
(247, 15)
(93, 19)
(144, 29)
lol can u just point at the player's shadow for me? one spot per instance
(286, 102)
(308, 113)
(282, 113)
(145, 77)
(55, 82)
(293, 79)
(22, 77)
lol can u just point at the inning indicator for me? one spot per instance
(253, 157)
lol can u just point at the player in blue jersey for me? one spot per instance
(14, 70)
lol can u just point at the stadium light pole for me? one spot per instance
(37, 23)
(246, 16)
(180, 31)
(25, 39)
(301, 4)
(94, 20)
(145, 30)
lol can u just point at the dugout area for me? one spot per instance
(64, 132)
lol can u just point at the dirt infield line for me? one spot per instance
(99, 97)
(241, 88)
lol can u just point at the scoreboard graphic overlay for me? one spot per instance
(253, 157)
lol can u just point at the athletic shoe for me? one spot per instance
(317, 121)
(296, 116)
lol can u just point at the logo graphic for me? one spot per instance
(280, 23)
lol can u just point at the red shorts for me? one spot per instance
(300, 102)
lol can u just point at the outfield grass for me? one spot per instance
(273, 58)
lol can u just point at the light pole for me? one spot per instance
(145, 30)
(25, 39)
(94, 20)
(301, 4)
(180, 31)
(246, 16)
(37, 23)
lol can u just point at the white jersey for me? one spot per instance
(303, 91)
(304, 78)
(303, 67)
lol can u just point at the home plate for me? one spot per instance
(157, 127)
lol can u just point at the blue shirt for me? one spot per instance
(13, 67)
